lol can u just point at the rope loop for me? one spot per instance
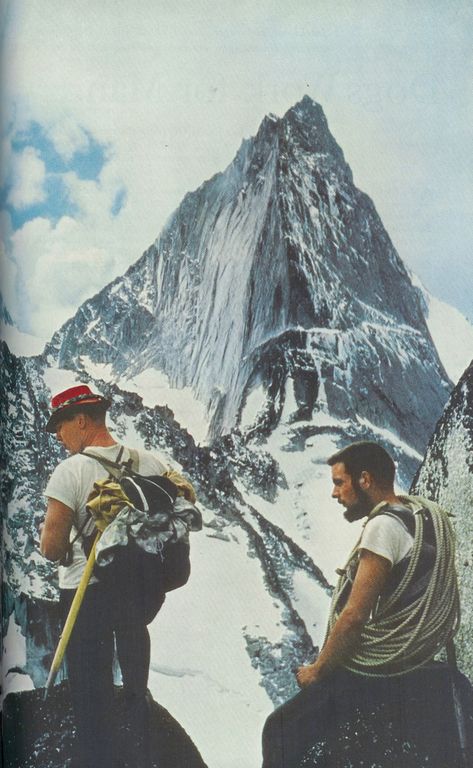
(396, 641)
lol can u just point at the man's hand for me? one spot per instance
(307, 675)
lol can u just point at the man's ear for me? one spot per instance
(81, 420)
(365, 480)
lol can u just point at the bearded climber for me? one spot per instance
(395, 606)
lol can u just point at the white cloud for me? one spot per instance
(53, 267)
(60, 267)
(68, 138)
(21, 343)
(29, 175)
(93, 199)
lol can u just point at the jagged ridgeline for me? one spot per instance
(446, 475)
(277, 270)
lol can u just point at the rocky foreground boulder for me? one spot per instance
(41, 734)
(424, 718)
(446, 476)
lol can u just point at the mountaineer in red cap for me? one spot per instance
(72, 399)
(105, 617)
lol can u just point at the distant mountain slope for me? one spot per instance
(278, 267)
(18, 342)
(452, 332)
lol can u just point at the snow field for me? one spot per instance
(155, 389)
(14, 655)
(305, 510)
(200, 668)
(58, 379)
(451, 332)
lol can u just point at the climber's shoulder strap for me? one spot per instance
(407, 517)
(401, 513)
(135, 459)
(109, 466)
(117, 467)
(113, 467)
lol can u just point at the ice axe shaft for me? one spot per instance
(71, 618)
(460, 720)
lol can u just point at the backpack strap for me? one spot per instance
(403, 514)
(422, 573)
(66, 559)
(119, 466)
(107, 464)
(135, 459)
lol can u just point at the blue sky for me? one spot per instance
(113, 112)
(86, 163)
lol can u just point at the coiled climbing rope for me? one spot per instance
(396, 641)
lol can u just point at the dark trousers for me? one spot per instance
(351, 720)
(104, 619)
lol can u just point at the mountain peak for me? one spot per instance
(307, 107)
(306, 125)
(276, 270)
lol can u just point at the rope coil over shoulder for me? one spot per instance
(397, 640)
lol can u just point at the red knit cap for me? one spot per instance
(79, 395)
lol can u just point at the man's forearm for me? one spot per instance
(344, 639)
(55, 531)
(51, 549)
(341, 644)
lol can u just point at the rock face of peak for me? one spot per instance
(277, 267)
(446, 475)
(5, 316)
(309, 130)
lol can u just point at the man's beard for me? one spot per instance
(360, 508)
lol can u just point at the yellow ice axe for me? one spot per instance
(71, 617)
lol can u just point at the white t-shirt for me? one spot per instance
(71, 483)
(388, 537)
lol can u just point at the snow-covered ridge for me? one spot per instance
(451, 332)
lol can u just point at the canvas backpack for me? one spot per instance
(141, 566)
